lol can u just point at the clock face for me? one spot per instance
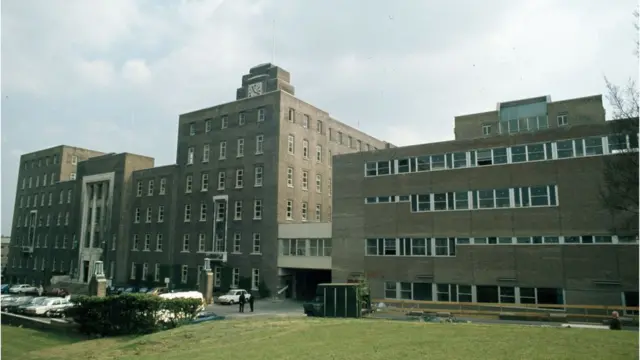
(255, 89)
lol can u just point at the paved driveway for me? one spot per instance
(261, 307)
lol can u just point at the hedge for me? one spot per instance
(129, 314)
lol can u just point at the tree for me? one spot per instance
(619, 192)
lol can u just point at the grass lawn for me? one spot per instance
(321, 339)
(17, 341)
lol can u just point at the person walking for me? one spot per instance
(241, 302)
(251, 302)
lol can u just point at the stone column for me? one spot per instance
(92, 225)
(206, 282)
(98, 282)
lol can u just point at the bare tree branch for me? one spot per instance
(619, 190)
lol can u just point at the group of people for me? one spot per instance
(243, 300)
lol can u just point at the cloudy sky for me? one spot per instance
(113, 75)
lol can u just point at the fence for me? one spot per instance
(534, 312)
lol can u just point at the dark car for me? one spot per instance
(57, 292)
(14, 304)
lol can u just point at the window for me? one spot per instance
(318, 183)
(159, 242)
(160, 213)
(379, 168)
(188, 184)
(304, 211)
(565, 149)
(237, 239)
(318, 153)
(156, 272)
(221, 180)
(204, 182)
(149, 215)
(201, 242)
(221, 211)
(291, 115)
(563, 119)
(319, 127)
(224, 122)
(239, 178)
(258, 173)
(184, 274)
(187, 213)
(217, 276)
(237, 214)
(256, 243)
(44, 180)
(72, 176)
(592, 146)
(192, 129)
(241, 119)
(163, 186)
(147, 242)
(150, 188)
(235, 278)
(305, 121)
(329, 158)
(261, 115)
(289, 209)
(205, 153)
(305, 180)
(445, 246)
(257, 209)
(318, 212)
(240, 148)
(185, 243)
(223, 150)
(305, 149)
(53, 180)
(255, 279)
(203, 211)
(190, 155)
(329, 187)
(259, 144)
(290, 177)
(136, 242)
(133, 271)
(350, 142)
(291, 144)
(208, 126)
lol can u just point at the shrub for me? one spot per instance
(130, 313)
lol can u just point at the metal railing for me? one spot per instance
(583, 313)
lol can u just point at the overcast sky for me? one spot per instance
(113, 75)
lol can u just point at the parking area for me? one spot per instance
(261, 307)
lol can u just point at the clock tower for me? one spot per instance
(262, 79)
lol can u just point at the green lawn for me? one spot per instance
(17, 341)
(321, 339)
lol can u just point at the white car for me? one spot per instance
(233, 296)
(42, 306)
(22, 288)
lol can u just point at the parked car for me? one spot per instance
(42, 306)
(57, 292)
(4, 289)
(61, 311)
(233, 296)
(158, 291)
(23, 289)
(12, 304)
(35, 301)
